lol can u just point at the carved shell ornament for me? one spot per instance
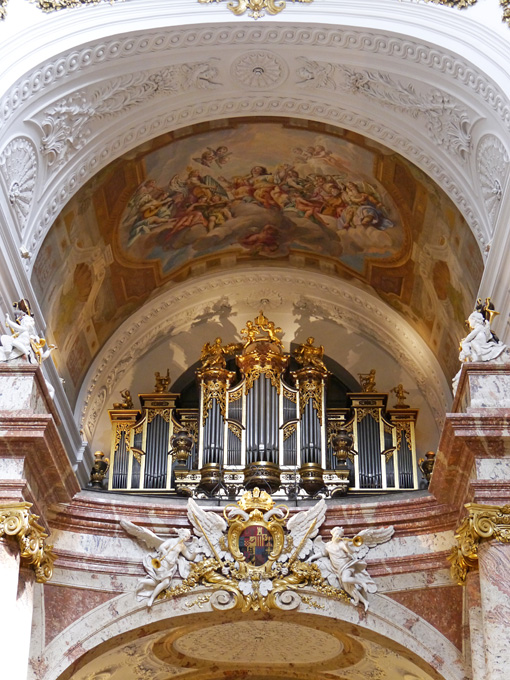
(254, 556)
(18, 165)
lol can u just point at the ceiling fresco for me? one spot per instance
(251, 192)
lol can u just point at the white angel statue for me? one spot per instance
(341, 560)
(210, 528)
(171, 554)
(303, 527)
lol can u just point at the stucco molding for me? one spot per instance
(121, 47)
(18, 167)
(492, 165)
(125, 619)
(174, 311)
(40, 87)
(107, 148)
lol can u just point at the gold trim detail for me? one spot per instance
(54, 5)
(236, 429)
(235, 396)
(291, 396)
(403, 427)
(310, 383)
(165, 413)
(459, 4)
(119, 429)
(17, 521)
(288, 430)
(215, 382)
(363, 412)
(244, 584)
(255, 8)
(484, 522)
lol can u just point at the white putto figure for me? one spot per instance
(341, 560)
(19, 342)
(24, 340)
(480, 344)
(171, 555)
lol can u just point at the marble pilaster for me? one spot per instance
(475, 621)
(34, 473)
(34, 465)
(494, 568)
(16, 596)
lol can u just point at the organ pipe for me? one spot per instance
(262, 424)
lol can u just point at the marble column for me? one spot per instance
(35, 473)
(16, 598)
(494, 568)
(475, 621)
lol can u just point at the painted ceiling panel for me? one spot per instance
(245, 191)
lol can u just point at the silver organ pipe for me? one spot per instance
(263, 425)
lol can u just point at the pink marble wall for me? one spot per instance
(441, 607)
(63, 606)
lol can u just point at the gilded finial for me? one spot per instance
(400, 393)
(261, 329)
(162, 382)
(310, 356)
(367, 381)
(126, 403)
(256, 500)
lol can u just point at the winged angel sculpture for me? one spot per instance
(255, 557)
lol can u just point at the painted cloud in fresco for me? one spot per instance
(235, 191)
(262, 194)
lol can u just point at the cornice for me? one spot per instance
(98, 513)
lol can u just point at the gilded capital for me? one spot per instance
(17, 521)
(484, 522)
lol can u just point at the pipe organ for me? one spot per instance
(263, 422)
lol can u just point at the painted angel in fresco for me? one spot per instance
(364, 208)
(341, 560)
(220, 156)
(169, 556)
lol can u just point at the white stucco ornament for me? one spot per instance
(24, 341)
(256, 557)
(481, 344)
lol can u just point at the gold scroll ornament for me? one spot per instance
(256, 8)
(484, 522)
(18, 522)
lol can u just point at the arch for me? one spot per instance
(122, 621)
